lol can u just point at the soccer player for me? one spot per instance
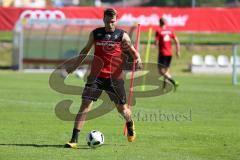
(163, 38)
(106, 72)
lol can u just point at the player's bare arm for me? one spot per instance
(128, 45)
(82, 54)
(177, 46)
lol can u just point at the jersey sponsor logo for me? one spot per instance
(112, 44)
(107, 46)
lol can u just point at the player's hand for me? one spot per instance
(155, 43)
(71, 68)
(139, 63)
(178, 54)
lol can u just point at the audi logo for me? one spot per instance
(43, 14)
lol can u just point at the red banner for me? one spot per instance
(181, 19)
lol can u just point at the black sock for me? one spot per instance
(129, 127)
(129, 124)
(172, 81)
(75, 134)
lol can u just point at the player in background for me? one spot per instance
(106, 73)
(163, 39)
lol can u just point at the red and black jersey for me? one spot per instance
(164, 37)
(107, 60)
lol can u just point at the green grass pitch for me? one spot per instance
(207, 127)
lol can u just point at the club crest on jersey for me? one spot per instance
(116, 36)
(107, 37)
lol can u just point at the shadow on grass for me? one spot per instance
(44, 146)
(108, 144)
(57, 145)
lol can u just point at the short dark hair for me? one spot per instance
(110, 12)
(162, 21)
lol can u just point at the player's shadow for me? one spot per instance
(114, 144)
(44, 145)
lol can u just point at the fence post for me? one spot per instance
(234, 65)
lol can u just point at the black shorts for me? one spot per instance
(164, 61)
(114, 88)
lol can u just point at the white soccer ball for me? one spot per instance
(95, 138)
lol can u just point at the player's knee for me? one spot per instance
(123, 109)
(126, 111)
(163, 70)
(119, 109)
(160, 72)
(86, 104)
